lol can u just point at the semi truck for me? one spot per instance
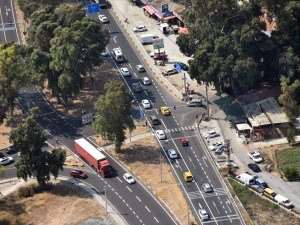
(93, 156)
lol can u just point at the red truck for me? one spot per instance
(93, 156)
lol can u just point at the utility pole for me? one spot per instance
(105, 199)
(207, 102)
(228, 147)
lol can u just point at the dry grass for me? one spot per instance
(57, 206)
(143, 158)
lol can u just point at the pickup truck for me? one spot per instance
(255, 156)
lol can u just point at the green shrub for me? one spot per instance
(26, 191)
(290, 172)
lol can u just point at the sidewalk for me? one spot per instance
(219, 122)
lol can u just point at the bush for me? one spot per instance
(26, 191)
(290, 172)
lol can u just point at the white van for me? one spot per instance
(194, 103)
(117, 54)
(148, 38)
(283, 201)
(246, 179)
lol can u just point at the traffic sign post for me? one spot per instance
(142, 114)
(93, 8)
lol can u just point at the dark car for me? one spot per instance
(184, 141)
(2, 154)
(78, 174)
(161, 56)
(11, 150)
(182, 65)
(153, 120)
(137, 87)
(254, 167)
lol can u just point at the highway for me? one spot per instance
(8, 23)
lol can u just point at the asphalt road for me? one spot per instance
(8, 23)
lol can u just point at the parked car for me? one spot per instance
(146, 104)
(207, 187)
(165, 110)
(140, 28)
(103, 18)
(216, 146)
(153, 120)
(203, 214)
(172, 153)
(160, 56)
(256, 156)
(160, 134)
(2, 155)
(11, 150)
(169, 72)
(254, 167)
(129, 178)
(125, 72)
(211, 134)
(146, 81)
(156, 52)
(78, 174)
(6, 160)
(184, 141)
(232, 164)
(105, 53)
(182, 65)
(140, 68)
(137, 87)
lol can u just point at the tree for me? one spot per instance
(29, 140)
(12, 77)
(113, 113)
(291, 132)
(290, 172)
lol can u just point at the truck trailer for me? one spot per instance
(93, 156)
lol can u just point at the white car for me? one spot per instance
(140, 68)
(129, 178)
(6, 160)
(103, 18)
(146, 104)
(125, 72)
(211, 134)
(105, 53)
(216, 146)
(160, 134)
(203, 214)
(172, 154)
(256, 156)
(156, 52)
(140, 28)
(146, 81)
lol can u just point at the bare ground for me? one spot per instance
(57, 206)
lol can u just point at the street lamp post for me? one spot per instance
(105, 199)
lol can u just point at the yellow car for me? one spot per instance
(165, 110)
(187, 176)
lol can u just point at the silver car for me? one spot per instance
(207, 187)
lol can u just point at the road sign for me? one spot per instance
(178, 67)
(93, 8)
(142, 114)
(87, 118)
(158, 43)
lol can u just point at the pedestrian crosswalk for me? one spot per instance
(175, 130)
(202, 194)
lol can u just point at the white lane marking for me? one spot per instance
(216, 207)
(192, 162)
(146, 92)
(114, 38)
(138, 198)
(148, 209)
(135, 74)
(2, 24)
(228, 203)
(130, 208)
(204, 160)
(129, 65)
(129, 189)
(119, 179)
(156, 219)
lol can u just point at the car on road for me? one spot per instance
(11, 150)
(105, 53)
(216, 146)
(203, 214)
(146, 104)
(140, 28)
(125, 72)
(161, 56)
(146, 81)
(6, 160)
(172, 154)
(256, 156)
(254, 167)
(140, 68)
(78, 174)
(207, 187)
(211, 134)
(188, 176)
(165, 110)
(129, 178)
(160, 134)
(182, 65)
(137, 87)
(184, 141)
(103, 18)
(153, 120)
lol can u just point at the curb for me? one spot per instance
(12, 181)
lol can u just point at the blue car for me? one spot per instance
(254, 167)
(11, 150)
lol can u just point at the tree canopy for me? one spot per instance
(29, 139)
(113, 113)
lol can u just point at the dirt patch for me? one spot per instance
(57, 206)
(143, 158)
(71, 159)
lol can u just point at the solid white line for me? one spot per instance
(138, 198)
(2, 24)
(148, 209)
(13, 13)
(156, 219)
(129, 65)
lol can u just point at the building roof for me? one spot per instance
(149, 9)
(243, 126)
